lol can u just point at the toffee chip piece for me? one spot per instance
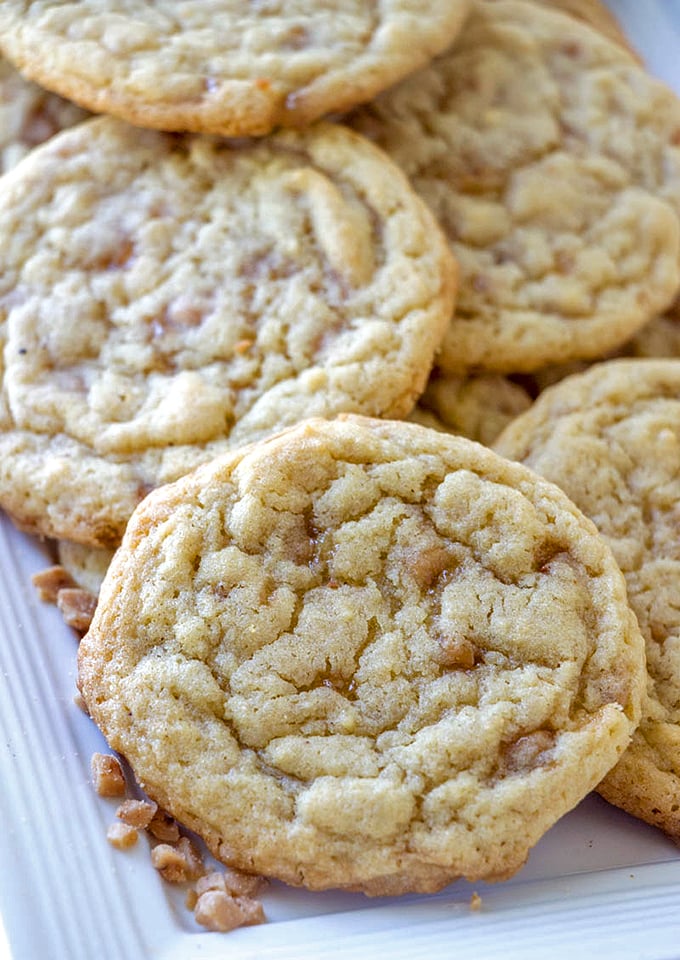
(274, 652)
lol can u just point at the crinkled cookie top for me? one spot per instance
(163, 298)
(610, 438)
(233, 67)
(552, 161)
(364, 654)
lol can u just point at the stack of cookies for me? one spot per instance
(346, 649)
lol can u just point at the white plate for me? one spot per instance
(599, 883)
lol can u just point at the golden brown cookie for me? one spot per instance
(364, 654)
(552, 160)
(29, 116)
(164, 298)
(610, 438)
(233, 67)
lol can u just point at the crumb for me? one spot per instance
(107, 775)
(163, 827)
(191, 898)
(218, 911)
(252, 910)
(169, 863)
(77, 607)
(49, 582)
(179, 863)
(192, 856)
(475, 902)
(121, 836)
(137, 813)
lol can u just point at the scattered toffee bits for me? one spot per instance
(221, 900)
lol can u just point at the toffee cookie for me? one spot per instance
(475, 407)
(163, 298)
(28, 116)
(233, 67)
(610, 438)
(552, 161)
(364, 654)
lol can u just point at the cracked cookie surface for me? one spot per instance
(164, 298)
(364, 654)
(610, 438)
(543, 149)
(29, 115)
(232, 67)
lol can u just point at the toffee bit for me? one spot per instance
(137, 813)
(121, 836)
(50, 581)
(163, 827)
(107, 775)
(77, 607)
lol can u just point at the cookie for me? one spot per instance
(552, 161)
(475, 407)
(610, 438)
(164, 298)
(87, 566)
(231, 67)
(29, 116)
(328, 654)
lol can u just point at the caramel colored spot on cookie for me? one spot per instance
(457, 652)
(528, 752)
(572, 50)
(113, 259)
(564, 262)
(297, 38)
(427, 565)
